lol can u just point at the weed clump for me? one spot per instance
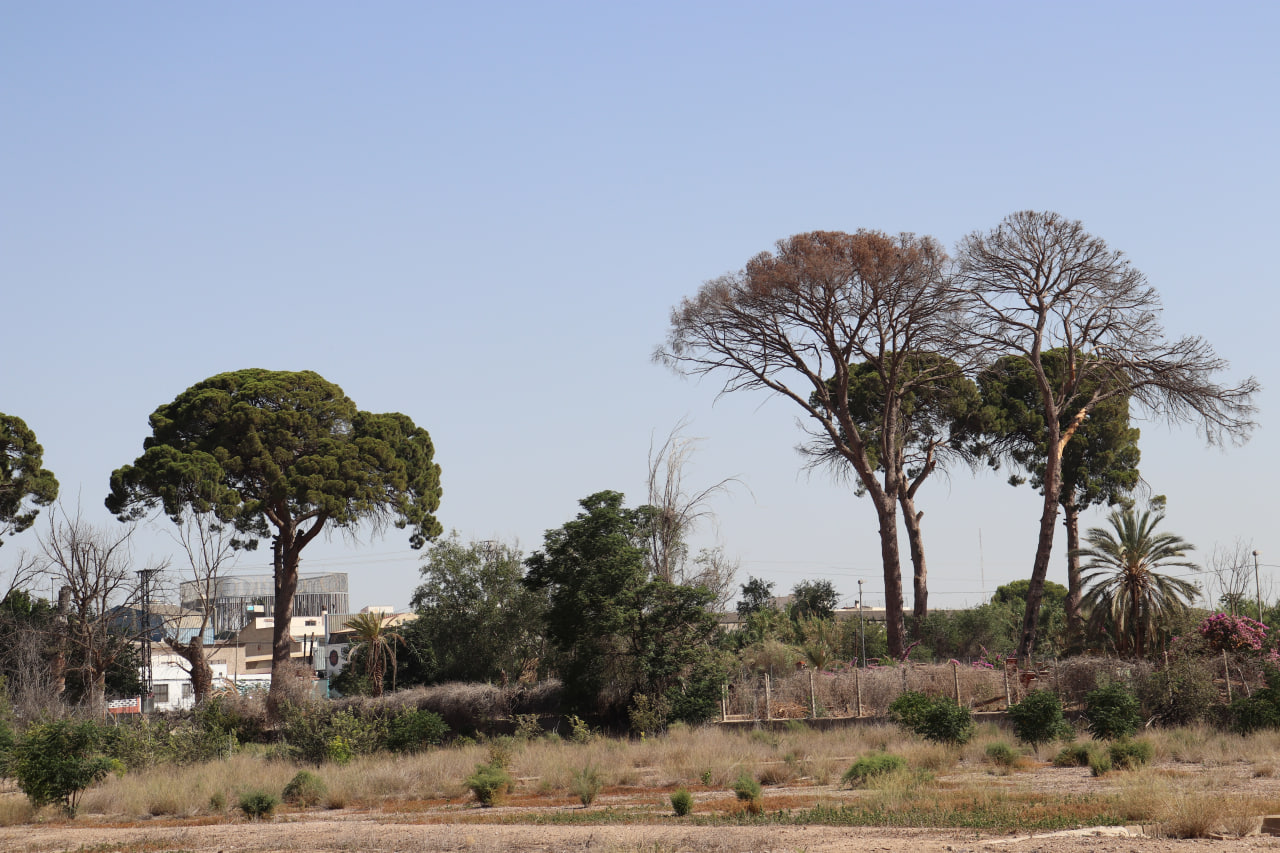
(682, 802)
(304, 789)
(749, 793)
(489, 783)
(586, 784)
(258, 804)
(1130, 754)
(869, 767)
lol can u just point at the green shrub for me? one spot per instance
(682, 802)
(586, 783)
(55, 762)
(258, 804)
(748, 791)
(305, 789)
(501, 751)
(1099, 763)
(315, 734)
(1130, 754)
(415, 730)
(649, 714)
(1074, 755)
(939, 719)
(218, 801)
(1038, 719)
(490, 783)
(579, 731)
(1001, 754)
(1111, 712)
(909, 710)
(868, 767)
(1181, 694)
(1259, 711)
(528, 727)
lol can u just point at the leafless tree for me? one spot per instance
(677, 511)
(1040, 282)
(1231, 572)
(93, 568)
(210, 548)
(793, 321)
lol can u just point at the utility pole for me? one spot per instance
(148, 673)
(1257, 583)
(862, 626)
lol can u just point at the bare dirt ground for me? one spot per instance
(462, 826)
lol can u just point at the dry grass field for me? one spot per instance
(1200, 784)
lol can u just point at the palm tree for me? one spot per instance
(1125, 592)
(370, 632)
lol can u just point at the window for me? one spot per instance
(160, 692)
(188, 691)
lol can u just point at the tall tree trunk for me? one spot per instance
(192, 652)
(915, 540)
(1044, 547)
(287, 556)
(895, 627)
(1071, 521)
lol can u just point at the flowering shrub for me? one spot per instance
(1233, 633)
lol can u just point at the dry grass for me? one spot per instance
(1209, 795)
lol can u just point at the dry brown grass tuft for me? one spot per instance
(15, 809)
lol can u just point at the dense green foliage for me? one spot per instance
(489, 783)
(415, 730)
(476, 619)
(814, 600)
(305, 789)
(54, 762)
(281, 455)
(1111, 711)
(939, 718)
(869, 767)
(615, 632)
(681, 802)
(1128, 754)
(24, 485)
(258, 804)
(1038, 719)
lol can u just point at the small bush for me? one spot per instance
(1099, 763)
(909, 710)
(682, 802)
(218, 801)
(490, 783)
(1002, 755)
(1260, 710)
(305, 789)
(501, 752)
(1111, 711)
(55, 762)
(415, 730)
(579, 731)
(868, 767)
(1038, 719)
(1075, 755)
(586, 784)
(528, 727)
(649, 714)
(748, 791)
(258, 804)
(1130, 754)
(1180, 694)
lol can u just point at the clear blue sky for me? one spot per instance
(481, 216)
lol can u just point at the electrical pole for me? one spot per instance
(862, 626)
(1257, 583)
